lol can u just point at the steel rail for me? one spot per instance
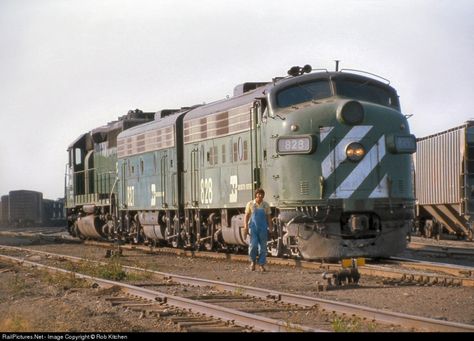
(410, 321)
(227, 314)
(368, 269)
(441, 249)
(405, 320)
(452, 269)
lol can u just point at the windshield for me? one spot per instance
(303, 92)
(366, 91)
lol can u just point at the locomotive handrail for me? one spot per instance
(163, 167)
(112, 193)
(369, 73)
(320, 69)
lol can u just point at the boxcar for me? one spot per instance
(444, 182)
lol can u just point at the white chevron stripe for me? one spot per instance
(324, 132)
(381, 191)
(360, 172)
(338, 154)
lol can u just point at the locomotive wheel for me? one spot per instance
(134, 233)
(469, 235)
(73, 229)
(209, 245)
(276, 248)
(178, 241)
(175, 242)
(141, 237)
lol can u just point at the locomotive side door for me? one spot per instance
(123, 182)
(163, 179)
(194, 176)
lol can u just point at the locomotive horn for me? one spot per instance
(307, 68)
(297, 71)
(294, 71)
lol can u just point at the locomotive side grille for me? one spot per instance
(401, 187)
(219, 124)
(140, 143)
(304, 188)
(149, 141)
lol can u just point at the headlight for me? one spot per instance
(350, 113)
(355, 151)
(295, 144)
(401, 144)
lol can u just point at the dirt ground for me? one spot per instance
(34, 302)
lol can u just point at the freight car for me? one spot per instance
(444, 182)
(331, 149)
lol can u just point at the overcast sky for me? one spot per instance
(68, 66)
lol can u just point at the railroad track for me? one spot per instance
(441, 250)
(189, 314)
(266, 301)
(395, 270)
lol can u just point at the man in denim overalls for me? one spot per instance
(258, 218)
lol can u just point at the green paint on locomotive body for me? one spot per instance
(299, 175)
(148, 167)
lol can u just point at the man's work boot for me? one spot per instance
(252, 266)
(262, 268)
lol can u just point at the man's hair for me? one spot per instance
(261, 191)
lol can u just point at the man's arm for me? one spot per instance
(270, 222)
(246, 221)
(269, 217)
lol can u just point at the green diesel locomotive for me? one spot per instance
(331, 149)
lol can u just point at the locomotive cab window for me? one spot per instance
(78, 156)
(303, 92)
(366, 91)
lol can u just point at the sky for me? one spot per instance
(68, 66)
